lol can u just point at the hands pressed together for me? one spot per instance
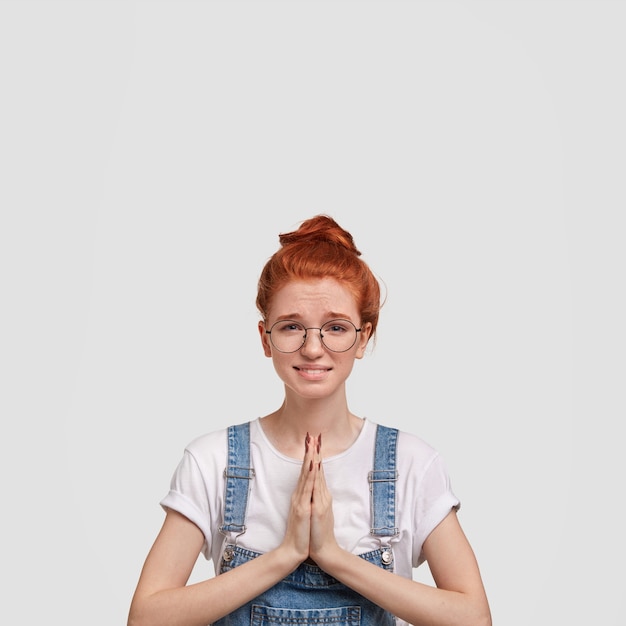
(310, 526)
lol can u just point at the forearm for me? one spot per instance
(207, 601)
(414, 602)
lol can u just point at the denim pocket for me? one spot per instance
(270, 616)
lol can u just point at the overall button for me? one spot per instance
(228, 555)
(387, 557)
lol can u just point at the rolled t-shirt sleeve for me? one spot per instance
(188, 496)
(436, 499)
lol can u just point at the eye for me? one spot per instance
(288, 326)
(336, 327)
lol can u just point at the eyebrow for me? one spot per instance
(330, 315)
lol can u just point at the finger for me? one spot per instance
(309, 454)
(320, 489)
(306, 480)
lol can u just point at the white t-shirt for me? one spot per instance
(423, 492)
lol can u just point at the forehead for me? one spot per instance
(319, 297)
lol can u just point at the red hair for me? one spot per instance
(320, 248)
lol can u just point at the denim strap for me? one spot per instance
(382, 480)
(238, 475)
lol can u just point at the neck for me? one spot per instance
(287, 427)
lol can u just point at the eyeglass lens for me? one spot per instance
(336, 335)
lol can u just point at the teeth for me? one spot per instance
(308, 371)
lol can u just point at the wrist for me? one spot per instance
(288, 558)
(328, 556)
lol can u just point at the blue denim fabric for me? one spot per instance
(382, 481)
(309, 595)
(238, 475)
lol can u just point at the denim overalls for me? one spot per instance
(308, 595)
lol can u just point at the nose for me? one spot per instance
(312, 345)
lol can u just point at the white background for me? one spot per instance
(151, 153)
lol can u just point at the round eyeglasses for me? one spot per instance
(336, 335)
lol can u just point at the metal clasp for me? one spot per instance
(229, 554)
(387, 556)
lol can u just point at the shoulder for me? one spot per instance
(406, 440)
(412, 450)
(208, 443)
(415, 443)
(210, 449)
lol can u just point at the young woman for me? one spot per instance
(311, 514)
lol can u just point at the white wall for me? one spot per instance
(150, 154)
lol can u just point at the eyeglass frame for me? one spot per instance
(304, 337)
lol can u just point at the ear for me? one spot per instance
(364, 337)
(265, 339)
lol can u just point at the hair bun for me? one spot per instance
(319, 229)
(320, 249)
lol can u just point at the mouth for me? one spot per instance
(313, 371)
